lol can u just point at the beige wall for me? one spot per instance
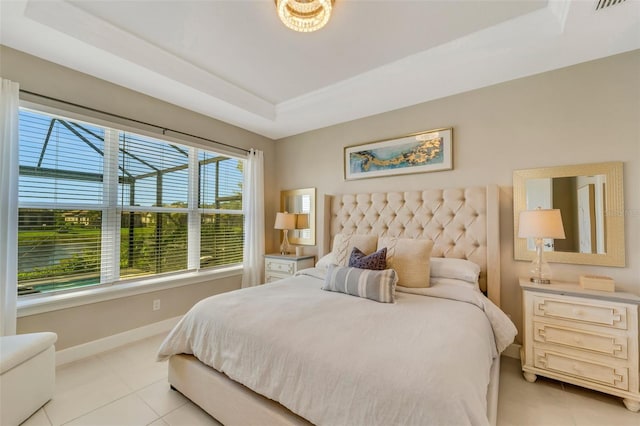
(94, 321)
(79, 325)
(581, 114)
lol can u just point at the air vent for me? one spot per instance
(601, 4)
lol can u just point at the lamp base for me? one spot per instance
(540, 280)
(284, 247)
(540, 270)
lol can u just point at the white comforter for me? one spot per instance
(336, 359)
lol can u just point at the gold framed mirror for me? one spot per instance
(302, 202)
(591, 201)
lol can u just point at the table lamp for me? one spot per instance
(539, 224)
(302, 220)
(285, 221)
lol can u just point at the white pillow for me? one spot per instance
(458, 269)
(343, 244)
(437, 281)
(326, 260)
(410, 258)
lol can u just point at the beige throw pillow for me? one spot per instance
(343, 244)
(410, 258)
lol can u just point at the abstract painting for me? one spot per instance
(427, 151)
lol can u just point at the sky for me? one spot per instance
(67, 151)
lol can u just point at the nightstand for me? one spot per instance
(585, 337)
(278, 266)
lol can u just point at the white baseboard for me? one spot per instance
(94, 347)
(512, 351)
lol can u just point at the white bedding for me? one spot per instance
(336, 359)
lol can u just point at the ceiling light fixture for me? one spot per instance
(304, 15)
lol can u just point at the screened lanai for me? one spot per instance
(97, 205)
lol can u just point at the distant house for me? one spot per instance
(76, 217)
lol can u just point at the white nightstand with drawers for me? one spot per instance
(584, 337)
(278, 266)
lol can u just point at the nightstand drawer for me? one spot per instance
(277, 267)
(285, 267)
(601, 343)
(275, 277)
(617, 377)
(608, 315)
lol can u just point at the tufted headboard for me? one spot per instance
(462, 223)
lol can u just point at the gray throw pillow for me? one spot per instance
(375, 285)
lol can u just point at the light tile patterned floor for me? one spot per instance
(126, 386)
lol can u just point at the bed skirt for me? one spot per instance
(232, 404)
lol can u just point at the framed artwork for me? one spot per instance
(428, 151)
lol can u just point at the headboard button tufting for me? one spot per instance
(452, 218)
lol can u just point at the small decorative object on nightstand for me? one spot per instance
(585, 337)
(597, 282)
(539, 224)
(278, 266)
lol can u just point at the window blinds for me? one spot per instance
(60, 192)
(153, 198)
(220, 201)
(98, 205)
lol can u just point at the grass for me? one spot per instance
(80, 269)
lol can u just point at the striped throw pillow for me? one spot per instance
(375, 285)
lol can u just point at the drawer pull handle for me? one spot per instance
(617, 318)
(577, 340)
(617, 348)
(618, 378)
(578, 312)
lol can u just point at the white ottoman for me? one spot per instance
(27, 375)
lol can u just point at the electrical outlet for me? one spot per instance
(156, 305)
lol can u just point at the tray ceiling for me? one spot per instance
(235, 61)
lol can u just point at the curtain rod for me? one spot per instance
(164, 129)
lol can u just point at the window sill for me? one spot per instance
(41, 303)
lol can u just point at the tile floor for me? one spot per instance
(125, 386)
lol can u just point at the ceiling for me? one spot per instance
(234, 60)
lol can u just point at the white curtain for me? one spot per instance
(9, 95)
(253, 204)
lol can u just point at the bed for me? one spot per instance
(291, 353)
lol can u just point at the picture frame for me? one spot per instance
(421, 152)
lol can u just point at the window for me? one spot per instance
(97, 205)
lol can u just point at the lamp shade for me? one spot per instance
(285, 221)
(302, 221)
(541, 223)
